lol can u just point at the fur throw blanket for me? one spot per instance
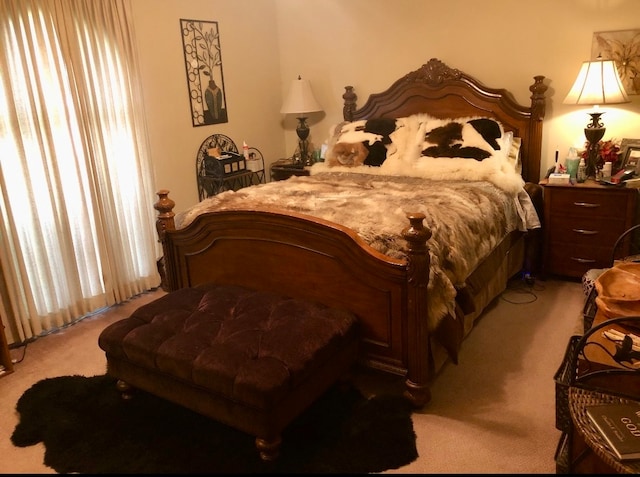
(467, 219)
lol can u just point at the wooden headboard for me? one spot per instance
(444, 92)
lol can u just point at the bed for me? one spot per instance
(303, 236)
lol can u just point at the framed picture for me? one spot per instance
(630, 150)
(203, 63)
(622, 46)
(632, 158)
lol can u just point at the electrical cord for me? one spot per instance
(521, 291)
(24, 352)
(23, 344)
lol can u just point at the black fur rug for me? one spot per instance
(87, 428)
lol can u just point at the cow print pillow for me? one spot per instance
(358, 143)
(476, 138)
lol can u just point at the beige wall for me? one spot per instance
(367, 44)
(251, 69)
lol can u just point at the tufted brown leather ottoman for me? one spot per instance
(252, 360)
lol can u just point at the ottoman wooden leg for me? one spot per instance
(126, 390)
(269, 448)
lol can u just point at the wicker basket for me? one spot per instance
(580, 399)
(589, 311)
(563, 379)
(562, 455)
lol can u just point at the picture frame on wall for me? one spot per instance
(203, 64)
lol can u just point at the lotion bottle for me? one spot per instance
(582, 171)
(245, 150)
(606, 171)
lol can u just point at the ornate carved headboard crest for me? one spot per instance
(434, 72)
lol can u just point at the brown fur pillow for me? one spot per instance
(347, 154)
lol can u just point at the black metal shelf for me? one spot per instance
(214, 176)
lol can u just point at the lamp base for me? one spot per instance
(302, 130)
(594, 132)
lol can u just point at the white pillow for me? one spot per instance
(514, 154)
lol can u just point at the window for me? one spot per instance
(77, 228)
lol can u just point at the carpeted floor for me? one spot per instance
(494, 412)
(87, 428)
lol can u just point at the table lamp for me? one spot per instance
(598, 82)
(301, 101)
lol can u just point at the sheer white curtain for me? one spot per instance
(77, 225)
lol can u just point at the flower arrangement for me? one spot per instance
(606, 151)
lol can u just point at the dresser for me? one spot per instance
(582, 223)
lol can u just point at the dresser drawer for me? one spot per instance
(575, 260)
(585, 230)
(589, 203)
(581, 225)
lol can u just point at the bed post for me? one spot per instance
(418, 349)
(164, 222)
(349, 107)
(538, 110)
(164, 206)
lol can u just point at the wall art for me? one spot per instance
(203, 63)
(623, 47)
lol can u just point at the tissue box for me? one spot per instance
(559, 179)
(254, 165)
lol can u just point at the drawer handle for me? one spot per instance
(586, 232)
(583, 260)
(588, 205)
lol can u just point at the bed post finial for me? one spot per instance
(349, 107)
(417, 382)
(538, 103)
(164, 206)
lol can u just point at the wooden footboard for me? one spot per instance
(313, 259)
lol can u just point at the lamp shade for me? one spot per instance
(598, 83)
(300, 99)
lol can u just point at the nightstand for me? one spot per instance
(284, 168)
(582, 223)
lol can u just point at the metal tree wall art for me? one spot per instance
(203, 63)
